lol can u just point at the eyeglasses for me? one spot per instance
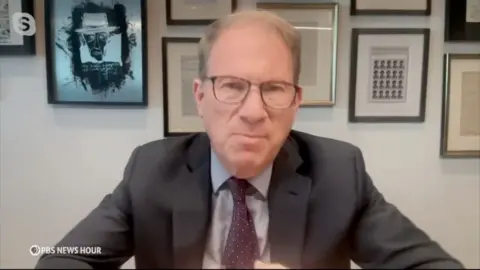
(233, 90)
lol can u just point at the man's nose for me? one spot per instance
(252, 109)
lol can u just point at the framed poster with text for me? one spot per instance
(462, 20)
(180, 68)
(17, 27)
(460, 137)
(96, 52)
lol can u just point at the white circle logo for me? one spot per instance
(23, 24)
(34, 250)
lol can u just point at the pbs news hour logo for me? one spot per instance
(23, 24)
(37, 250)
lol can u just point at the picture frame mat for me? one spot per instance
(473, 11)
(177, 13)
(202, 10)
(419, 5)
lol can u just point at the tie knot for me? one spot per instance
(238, 187)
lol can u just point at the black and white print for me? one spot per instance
(98, 51)
(4, 22)
(388, 75)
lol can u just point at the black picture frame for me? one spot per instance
(166, 84)
(126, 42)
(199, 22)
(444, 149)
(356, 32)
(28, 47)
(456, 27)
(390, 12)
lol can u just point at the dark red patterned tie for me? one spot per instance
(241, 249)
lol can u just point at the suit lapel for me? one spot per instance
(192, 206)
(288, 201)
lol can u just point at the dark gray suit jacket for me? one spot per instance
(324, 211)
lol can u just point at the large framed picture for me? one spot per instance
(462, 20)
(193, 12)
(96, 52)
(391, 7)
(388, 75)
(460, 129)
(17, 27)
(318, 27)
(180, 66)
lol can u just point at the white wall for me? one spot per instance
(58, 163)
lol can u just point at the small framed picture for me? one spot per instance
(391, 7)
(462, 20)
(460, 133)
(194, 12)
(96, 52)
(318, 27)
(388, 75)
(17, 27)
(180, 67)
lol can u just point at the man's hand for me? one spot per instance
(262, 265)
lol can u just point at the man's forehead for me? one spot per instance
(244, 35)
(242, 27)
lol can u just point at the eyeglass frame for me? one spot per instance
(296, 87)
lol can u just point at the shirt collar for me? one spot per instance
(219, 175)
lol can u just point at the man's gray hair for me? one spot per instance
(283, 28)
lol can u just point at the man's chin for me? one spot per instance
(247, 164)
(249, 157)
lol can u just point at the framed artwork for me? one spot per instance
(180, 67)
(96, 52)
(194, 12)
(318, 27)
(462, 20)
(460, 129)
(388, 75)
(17, 39)
(391, 7)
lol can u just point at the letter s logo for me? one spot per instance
(23, 24)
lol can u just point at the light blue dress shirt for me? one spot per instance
(223, 209)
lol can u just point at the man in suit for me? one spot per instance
(249, 189)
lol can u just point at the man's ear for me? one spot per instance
(299, 97)
(198, 95)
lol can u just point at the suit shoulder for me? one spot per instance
(163, 148)
(326, 146)
(165, 143)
